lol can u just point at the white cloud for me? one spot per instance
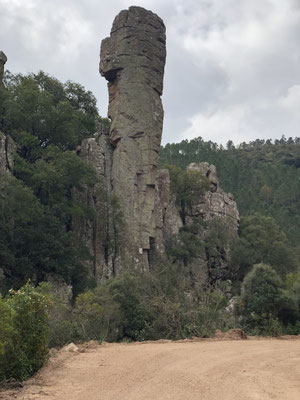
(292, 100)
(232, 68)
(218, 126)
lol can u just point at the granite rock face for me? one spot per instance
(214, 207)
(219, 211)
(215, 203)
(98, 232)
(125, 157)
(167, 219)
(132, 60)
(3, 60)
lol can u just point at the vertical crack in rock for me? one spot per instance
(133, 60)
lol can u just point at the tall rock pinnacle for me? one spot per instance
(3, 60)
(133, 60)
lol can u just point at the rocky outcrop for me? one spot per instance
(98, 232)
(215, 203)
(7, 151)
(215, 210)
(3, 60)
(167, 219)
(125, 157)
(132, 60)
(7, 145)
(220, 215)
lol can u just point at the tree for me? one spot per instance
(40, 106)
(47, 119)
(187, 185)
(34, 241)
(261, 298)
(262, 241)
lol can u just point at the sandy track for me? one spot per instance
(206, 370)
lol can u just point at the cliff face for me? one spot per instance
(219, 215)
(125, 157)
(215, 204)
(219, 212)
(98, 233)
(132, 60)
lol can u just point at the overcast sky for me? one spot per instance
(233, 66)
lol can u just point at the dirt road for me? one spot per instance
(206, 370)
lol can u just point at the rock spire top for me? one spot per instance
(3, 60)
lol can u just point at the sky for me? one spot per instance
(232, 70)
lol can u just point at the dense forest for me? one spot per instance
(260, 293)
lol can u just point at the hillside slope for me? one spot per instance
(263, 176)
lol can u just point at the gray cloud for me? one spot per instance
(232, 69)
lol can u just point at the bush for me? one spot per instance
(25, 332)
(262, 298)
(97, 316)
(7, 334)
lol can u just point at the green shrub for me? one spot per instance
(7, 334)
(23, 339)
(97, 316)
(126, 292)
(210, 315)
(262, 298)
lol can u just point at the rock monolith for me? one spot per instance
(133, 60)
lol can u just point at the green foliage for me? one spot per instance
(263, 176)
(261, 291)
(211, 315)
(47, 119)
(47, 110)
(33, 240)
(24, 332)
(187, 185)
(125, 291)
(261, 300)
(290, 311)
(7, 331)
(161, 304)
(262, 241)
(184, 247)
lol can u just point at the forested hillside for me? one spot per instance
(263, 176)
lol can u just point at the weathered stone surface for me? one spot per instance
(213, 206)
(3, 60)
(7, 151)
(215, 203)
(207, 170)
(167, 219)
(132, 60)
(98, 233)
(220, 212)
